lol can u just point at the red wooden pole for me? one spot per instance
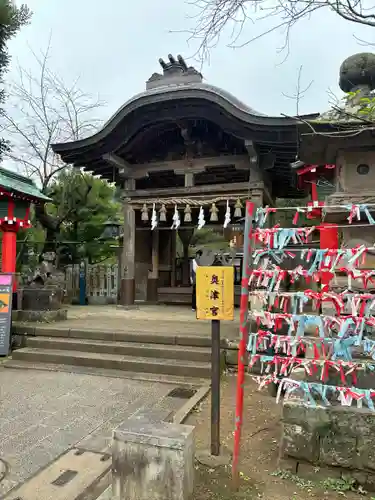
(9, 253)
(329, 238)
(244, 309)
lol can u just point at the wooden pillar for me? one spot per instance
(185, 236)
(173, 242)
(153, 278)
(127, 294)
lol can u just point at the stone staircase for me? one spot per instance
(181, 355)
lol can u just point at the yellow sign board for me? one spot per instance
(215, 292)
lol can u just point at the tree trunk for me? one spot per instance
(51, 225)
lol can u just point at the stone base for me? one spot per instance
(46, 298)
(152, 461)
(40, 316)
(330, 437)
(212, 461)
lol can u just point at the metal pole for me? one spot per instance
(244, 313)
(215, 387)
(82, 283)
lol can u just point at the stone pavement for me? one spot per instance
(146, 319)
(42, 414)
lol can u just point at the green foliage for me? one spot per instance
(82, 204)
(340, 485)
(366, 105)
(11, 20)
(208, 237)
(285, 217)
(205, 237)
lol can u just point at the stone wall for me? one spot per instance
(348, 177)
(336, 437)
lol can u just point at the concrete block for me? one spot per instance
(152, 460)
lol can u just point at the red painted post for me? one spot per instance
(244, 308)
(329, 239)
(9, 254)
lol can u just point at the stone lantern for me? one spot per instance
(111, 230)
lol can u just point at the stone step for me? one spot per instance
(175, 380)
(112, 361)
(200, 354)
(179, 337)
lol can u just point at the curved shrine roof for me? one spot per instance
(178, 83)
(176, 92)
(180, 96)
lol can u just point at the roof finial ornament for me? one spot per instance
(181, 60)
(175, 71)
(162, 63)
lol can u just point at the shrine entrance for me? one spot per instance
(186, 155)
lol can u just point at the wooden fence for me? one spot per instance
(101, 282)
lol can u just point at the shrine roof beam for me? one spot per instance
(121, 165)
(137, 171)
(187, 191)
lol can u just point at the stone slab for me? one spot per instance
(159, 434)
(68, 478)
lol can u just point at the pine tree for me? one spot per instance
(11, 20)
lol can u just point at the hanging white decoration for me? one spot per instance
(214, 210)
(144, 213)
(227, 216)
(163, 214)
(238, 208)
(176, 219)
(154, 219)
(201, 221)
(187, 211)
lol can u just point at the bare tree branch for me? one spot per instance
(300, 92)
(213, 16)
(43, 110)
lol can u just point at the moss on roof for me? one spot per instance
(356, 108)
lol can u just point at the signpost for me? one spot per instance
(6, 281)
(215, 302)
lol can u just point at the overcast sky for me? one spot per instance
(114, 46)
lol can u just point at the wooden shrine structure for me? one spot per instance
(337, 148)
(187, 149)
(17, 194)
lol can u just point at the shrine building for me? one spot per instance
(184, 151)
(337, 148)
